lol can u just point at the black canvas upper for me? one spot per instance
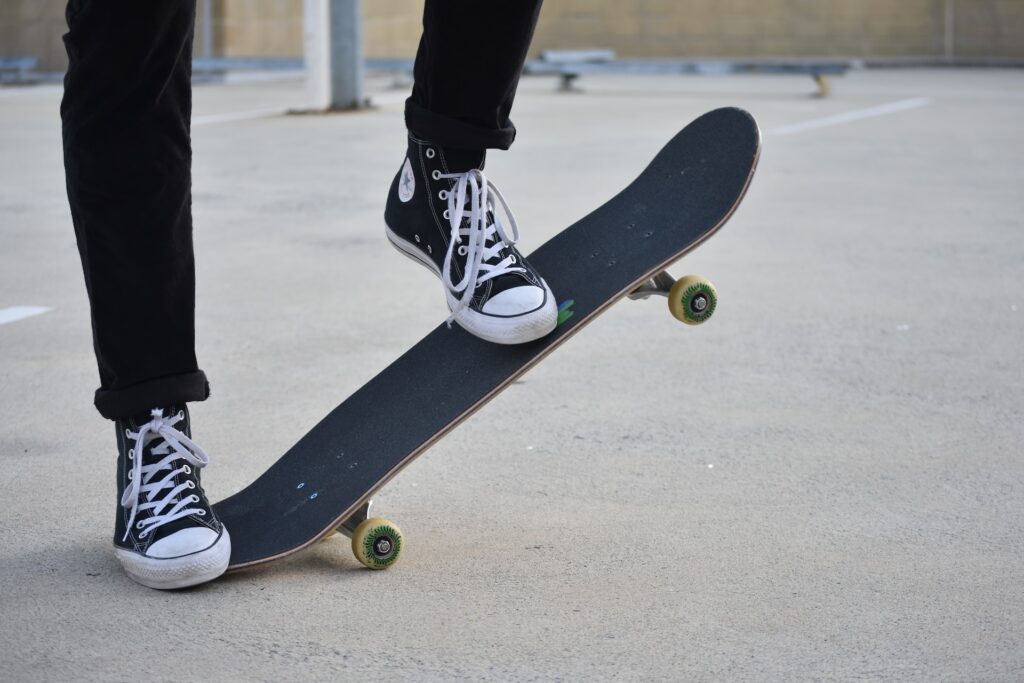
(421, 220)
(124, 465)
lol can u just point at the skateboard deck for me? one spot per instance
(324, 481)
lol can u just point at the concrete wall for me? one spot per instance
(258, 28)
(989, 28)
(700, 28)
(633, 28)
(769, 28)
(392, 27)
(33, 28)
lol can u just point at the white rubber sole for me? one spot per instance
(498, 330)
(177, 572)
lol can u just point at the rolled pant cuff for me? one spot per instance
(450, 132)
(162, 391)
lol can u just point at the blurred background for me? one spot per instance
(873, 31)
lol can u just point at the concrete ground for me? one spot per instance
(824, 482)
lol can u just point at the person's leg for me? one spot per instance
(127, 157)
(441, 210)
(467, 69)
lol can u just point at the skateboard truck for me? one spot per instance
(362, 513)
(376, 542)
(691, 299)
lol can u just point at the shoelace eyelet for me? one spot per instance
(436, 175)
(139, 498)
(443, 194)
(201, 513)
(131, 453)
(447, 215)
(430, 152)
(462, 250)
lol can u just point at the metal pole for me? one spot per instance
(314, 26)
(950, 25)
(207, 29)
(346, 54)
(334, 54)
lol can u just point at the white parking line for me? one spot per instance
(857, 115)
(13, 313)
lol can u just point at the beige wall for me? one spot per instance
(746, 28)
(391, 28)
(986, 27)
(257, 28)
(775, 28)
(633, 28)
(34, 28)
(743, 28)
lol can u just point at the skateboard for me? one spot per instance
(326, 481)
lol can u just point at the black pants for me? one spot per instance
(127, 157)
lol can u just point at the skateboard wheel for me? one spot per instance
(692, 299)
(377, 543)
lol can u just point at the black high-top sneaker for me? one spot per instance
(441, 213)
(166, 535)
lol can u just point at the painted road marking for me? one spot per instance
(14, 313)
(856, 115)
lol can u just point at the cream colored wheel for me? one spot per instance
(692, 299)
(377, 543)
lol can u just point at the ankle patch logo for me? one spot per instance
(406, 182)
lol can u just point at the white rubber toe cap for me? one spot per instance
(523, 317)
(184, 542)
(198, 555)
(515, 301)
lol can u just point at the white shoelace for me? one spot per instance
(142, 478)
(473, 187)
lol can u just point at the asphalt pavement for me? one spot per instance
(823, 482)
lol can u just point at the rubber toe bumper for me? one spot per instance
(180, 571)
